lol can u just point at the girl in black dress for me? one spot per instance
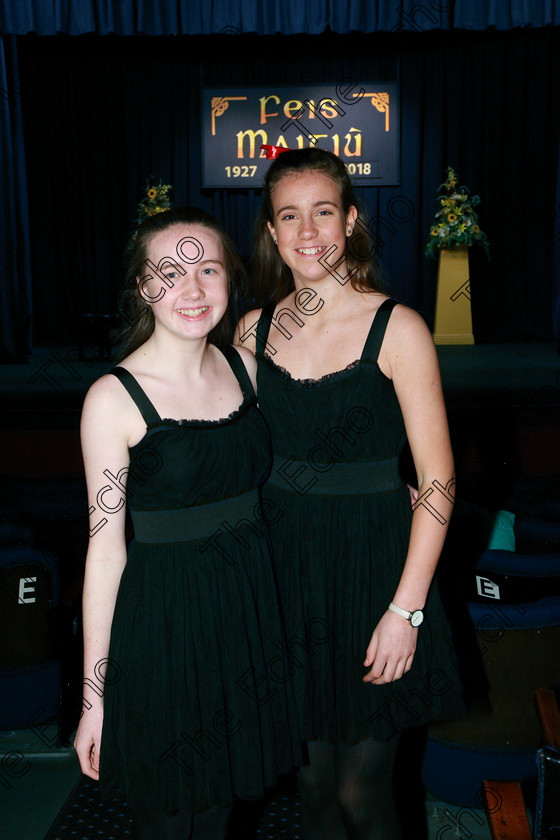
(345, 376)
(186, 698)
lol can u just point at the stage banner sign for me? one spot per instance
(358, 121)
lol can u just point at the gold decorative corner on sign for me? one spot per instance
(220, 104)
(381, 102)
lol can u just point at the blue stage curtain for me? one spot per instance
(15, 273)
(268, 17)
(504, 14)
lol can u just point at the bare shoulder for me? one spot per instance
(106, 391)
(107, 407)
(405, 327)
(248, 359)
(407, 341)
(246, 330)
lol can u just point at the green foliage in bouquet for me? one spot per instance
(456, 223)
(156, 200)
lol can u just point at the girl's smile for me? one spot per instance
(308, 221)
(188, 295)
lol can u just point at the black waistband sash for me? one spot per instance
(342, 479)
(195, 523)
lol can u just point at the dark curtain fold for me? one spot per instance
(268, 17)
(503, 14)
(98, 122)
(15, 274)
(489, 107)
(556, 256)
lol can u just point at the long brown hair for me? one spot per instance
(271, 279)
(137, 317)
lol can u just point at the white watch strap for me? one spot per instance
(399, 611)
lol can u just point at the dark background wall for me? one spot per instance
(99, 114)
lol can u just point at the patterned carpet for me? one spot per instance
(85, 816)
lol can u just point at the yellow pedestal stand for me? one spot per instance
(453, 324)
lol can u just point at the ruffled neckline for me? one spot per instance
(171, 421)
(161, 423)
(310, 383)
(248, 401)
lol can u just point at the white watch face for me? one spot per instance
(417, 618)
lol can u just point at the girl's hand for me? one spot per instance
(391, 650)
(87, 742)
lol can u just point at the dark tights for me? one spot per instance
(346, 792)
(184, 825)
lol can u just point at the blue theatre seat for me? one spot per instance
(514, 643)
(29, 677)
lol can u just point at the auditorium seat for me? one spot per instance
(29, 676)
(508, 637)
(504, 801)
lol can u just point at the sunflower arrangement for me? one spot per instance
(456, 223)
(156, 200)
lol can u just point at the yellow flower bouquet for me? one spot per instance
(456, 223)
(156, 200)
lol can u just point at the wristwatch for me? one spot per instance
(416, 617)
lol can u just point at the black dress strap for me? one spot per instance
(377, 330)
(144, 405)
(263, 327)
(239, 369)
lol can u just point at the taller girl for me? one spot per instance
(345, 376)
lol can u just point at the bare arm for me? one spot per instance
(417, 384)
(104, 447)
(409, 355)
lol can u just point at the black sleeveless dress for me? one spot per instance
(197, 705)
(340, 528)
